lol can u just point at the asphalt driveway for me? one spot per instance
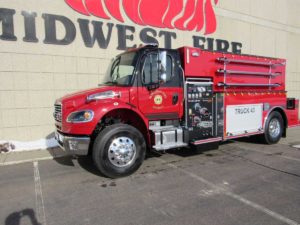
(240, 183)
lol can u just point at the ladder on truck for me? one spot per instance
(227, 72)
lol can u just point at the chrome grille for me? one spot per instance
(57, 112)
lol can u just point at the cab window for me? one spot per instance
(154, 71)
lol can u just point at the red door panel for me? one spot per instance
(166, 100)
(161, 103)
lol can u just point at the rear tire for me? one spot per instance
(119, 150)
(274, 129)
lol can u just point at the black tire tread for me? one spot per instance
(265, 138)
(103, 138)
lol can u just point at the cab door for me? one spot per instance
(160, 91)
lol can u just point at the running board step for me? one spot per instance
(169, 146)
(168, 138)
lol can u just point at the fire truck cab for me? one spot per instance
(160, 99)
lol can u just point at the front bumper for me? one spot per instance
(73, 145)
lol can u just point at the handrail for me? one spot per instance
(247, 85)
(238, 61)
(248, 73)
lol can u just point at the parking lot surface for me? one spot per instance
(242, 182)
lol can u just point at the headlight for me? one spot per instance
(103, 95)
(81, 116)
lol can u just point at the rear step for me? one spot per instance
(168, 137)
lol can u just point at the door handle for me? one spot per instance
(175, 99)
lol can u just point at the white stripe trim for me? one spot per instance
(39, 200)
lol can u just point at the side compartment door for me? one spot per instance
(160, 91)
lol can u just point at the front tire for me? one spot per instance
(119, 150)
(274, 129)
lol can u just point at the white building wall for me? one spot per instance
(33, 75)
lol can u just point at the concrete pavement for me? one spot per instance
(12, 157)
(240, 183)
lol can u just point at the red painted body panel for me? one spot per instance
(148, 107)
(198, 63)
(293, 116)
(158, 103)
(77, 102)
(138, 99)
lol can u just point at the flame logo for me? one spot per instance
(190, 15)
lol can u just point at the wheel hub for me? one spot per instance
(274, 128)
(121, 151)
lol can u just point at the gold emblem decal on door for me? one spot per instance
(158, 99)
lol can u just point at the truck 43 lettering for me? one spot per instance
(245, 110)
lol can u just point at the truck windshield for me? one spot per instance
(120, 71)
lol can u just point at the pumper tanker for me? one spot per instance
(160, 99)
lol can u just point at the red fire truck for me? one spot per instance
(159, 99)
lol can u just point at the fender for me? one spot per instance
(117, 105)
(282, 112)
(129, 115)
(100, 108)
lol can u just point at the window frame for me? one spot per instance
(173, 74)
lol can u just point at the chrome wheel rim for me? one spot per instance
(121, 151)
(274, 128)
